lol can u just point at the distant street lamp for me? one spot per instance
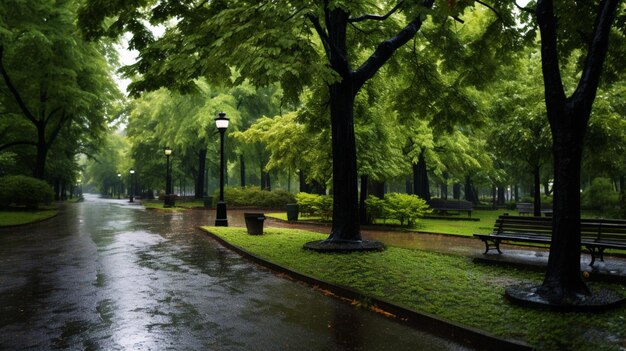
(221, 123)
(132, 185)
(119, 185)
(168, 199)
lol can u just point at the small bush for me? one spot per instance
(405, 207)
(255, 197)
(600, 196)
(24, 191)
(315, 205)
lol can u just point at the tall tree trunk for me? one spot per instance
(268, 182)
(516, 193)
(362, 197)
(420, 178)
(501, 196)
(494, 200)
(536, 191)
(345, 205)
(57, 189)
(304, 187)
(42, 152)
(200, 190)
(456, 191)
(263, 184)
(444, 186)
(470, 193)
(242, 171)
(569, 117)
(376, 188)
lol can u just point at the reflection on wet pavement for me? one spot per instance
(107, 275)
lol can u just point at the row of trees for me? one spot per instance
(402, 89)
(57, 94)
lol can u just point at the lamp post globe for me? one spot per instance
(221, 220)
(132, 185)
(119, 185)
(168, 199)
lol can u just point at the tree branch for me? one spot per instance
(385, 50)
(322, 33)
(375, 17)
(524, 9)
(57, 127)
(492, 9)
(552, 81)
(15, 143)
(590, 79)
(13, 89)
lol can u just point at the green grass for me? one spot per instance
(9, 218)
(180, 205)
(443, 226)
(448, 286)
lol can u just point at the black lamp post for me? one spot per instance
(119, 185)
(221, 123)
(168, 200)
(132, 185)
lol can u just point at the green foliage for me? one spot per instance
(600, 196)
(449, 286)
(315, 205)
(24, 191)
(404, 207)
(253, 196)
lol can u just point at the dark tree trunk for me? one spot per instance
(536, 191)
(304, 187)
(345, 225)
(200, 190)
(470, 193)
(242, 171)
(456, 191)
(444, 186)
(362, 197)
(408, 186)
(345, 204)
(263, 179)
(494, 201)
(57, 189)
(376, 188)
(420, 178)
(501, 196)
(42, 152)
(569, 117)
(516, 193)
(268, 182)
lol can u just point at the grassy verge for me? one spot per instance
(179, 206)
(451, 287)
(464, 228)
(10, 218)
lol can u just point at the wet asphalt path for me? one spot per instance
(108, 275)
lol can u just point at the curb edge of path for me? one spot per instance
(468, 336)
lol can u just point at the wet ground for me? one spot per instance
(613, 268)
(109, 275)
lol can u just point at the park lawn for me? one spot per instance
(10, 218)
(450, 287)
(429, 225)
(180, 205)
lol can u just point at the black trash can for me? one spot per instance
(292, 212)
(169, 200)
(254, 223)
(208, 201)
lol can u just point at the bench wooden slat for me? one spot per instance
(597, 234)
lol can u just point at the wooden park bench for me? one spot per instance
(597, 235)
(444, 206)
(529, 208)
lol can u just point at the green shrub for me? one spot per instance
(315, 205)
(255, 197)
(600, 196)
(376, 208)
(405, 207)
(24, 191)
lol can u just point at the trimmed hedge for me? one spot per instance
(19, 190)
(255, 197)
(402, 207)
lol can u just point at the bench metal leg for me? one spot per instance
(596, 250)
(488, 246)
